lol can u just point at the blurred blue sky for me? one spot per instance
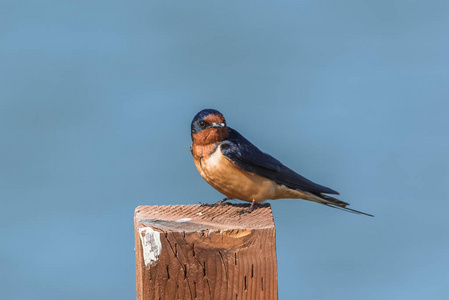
(96, 99)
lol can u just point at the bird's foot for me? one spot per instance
(252, 207)
(219, 203)
(244, 211)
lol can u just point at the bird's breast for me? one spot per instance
(228, 178)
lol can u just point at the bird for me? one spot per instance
(238, 169)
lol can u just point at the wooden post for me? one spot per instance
(195, 252)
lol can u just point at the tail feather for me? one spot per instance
(334, 201)
(350, 210)
(338, 204)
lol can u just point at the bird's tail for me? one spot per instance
(338, 204)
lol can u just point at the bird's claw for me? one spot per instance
(244, 211)
(213, 204)
(219, 203)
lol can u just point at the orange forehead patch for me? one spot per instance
(214, 118)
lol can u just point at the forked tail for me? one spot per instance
(338, 204)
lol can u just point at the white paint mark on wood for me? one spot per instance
(151, 245)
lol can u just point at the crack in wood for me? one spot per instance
(194, 285)
(208, 285)
(168, 241)
(224, 265)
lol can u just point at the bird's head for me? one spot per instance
(208, 126)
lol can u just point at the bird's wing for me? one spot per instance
(245, 155)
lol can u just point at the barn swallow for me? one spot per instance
(239, 170)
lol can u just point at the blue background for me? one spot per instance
(96, 99)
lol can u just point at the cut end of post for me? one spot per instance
(199, 218)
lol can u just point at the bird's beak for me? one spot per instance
(218, 125)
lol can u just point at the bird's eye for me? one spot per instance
(202, 124)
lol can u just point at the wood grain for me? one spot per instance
(205, 253)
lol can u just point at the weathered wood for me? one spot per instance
(195, 252)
